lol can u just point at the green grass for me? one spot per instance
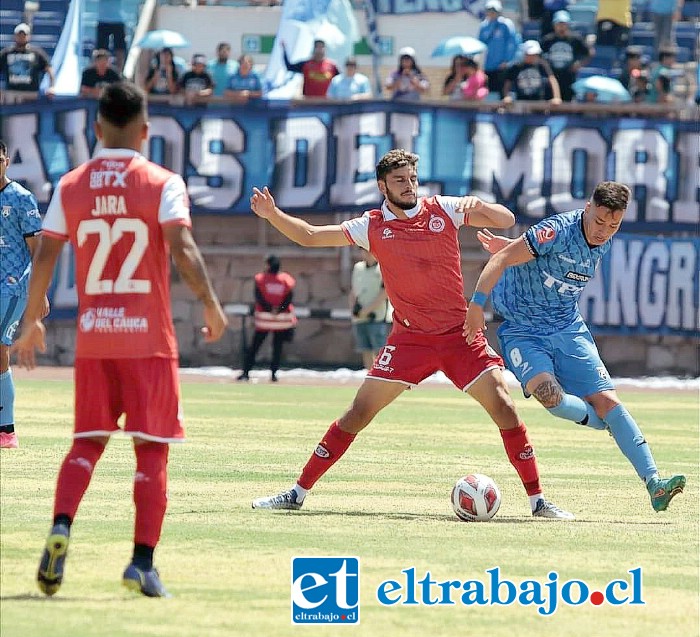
(387, 502)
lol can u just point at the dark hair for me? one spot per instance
(414, 65)
(319, 42)
(396, 158)
(3, 147)
(612, 195)
(667, 53)
(273, 263)
(121, 103)
(471, 63)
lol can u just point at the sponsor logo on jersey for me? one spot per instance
(87, 320)
(107, 179)
(575, 276)
(561, 286)
(112, 320)
(436, 224)
(567, 259)
(322, 452)
(546, 234)
(33, 213)
(387, 233)
(2, 242)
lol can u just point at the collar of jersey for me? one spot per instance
(390, 216)
(117, 152)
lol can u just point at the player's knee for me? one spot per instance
(549, 394)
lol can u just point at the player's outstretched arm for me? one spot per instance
(33, 334)
(262, 203)
(482, 214)
(189, 263)
(514, 254)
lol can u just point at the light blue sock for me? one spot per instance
(631, 441)
(7, 399)
(573, 408)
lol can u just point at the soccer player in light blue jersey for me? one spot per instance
(20, 224)
(536, 281)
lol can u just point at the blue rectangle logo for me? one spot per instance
(325, 590)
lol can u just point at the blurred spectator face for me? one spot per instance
(470, 67)
(590, 96)
(561, 29)
(634, 62)
(491, 14)
(199, 64)
(22, 38)
(223, 52)
(669, 59)
(102, 63)
(165, 57)
(245, 64)
(319, 50)
(531, 58)
(407, 62)
(350, 68)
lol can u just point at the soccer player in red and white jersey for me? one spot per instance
(416, 244)
(124, 217)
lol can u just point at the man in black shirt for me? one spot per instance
(566, 53)
(99, 75)
(197, 83)
(23, 65)
(532, 79)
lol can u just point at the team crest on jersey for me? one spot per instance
(436, 224)
(87, 320)
(387, 234)
(546, 234)
(6, 211)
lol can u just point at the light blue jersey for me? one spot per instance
(541, 296)
(19, 219)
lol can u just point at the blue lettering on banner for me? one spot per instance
(325, 590)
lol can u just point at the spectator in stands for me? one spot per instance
(614, 20)
(369, 306)
(550, 8)
(23, 65)
(350, 85)
(566, 53)
(475, 86)
(197, 83)
(452, 86)
(662, 77)
(318, 71)
(110, 24)
(99, 75)
(245, 84)
(162, 79)
(635, 75)
(663, 14)
(274, 313)
(501, 40)
(407, 82)
(222, 68)
(531, 79)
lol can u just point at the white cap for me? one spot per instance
(495, 5)
(532, 47)
(407, 50)
(23, 27)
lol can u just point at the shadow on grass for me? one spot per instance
(37, 597)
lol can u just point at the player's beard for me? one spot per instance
(404, 205)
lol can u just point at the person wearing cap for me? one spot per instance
(99, 75)
(532, 79)
(222, 68)
(318, 71)
(197, 83)
(273, 313)
(110, 26)
(549, 8)
(566, 53)
(407, 82)
(23, 65)
(501, 40)
(245, 84)
(350, 85)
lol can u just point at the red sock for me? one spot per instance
(333, 445)
(150, 497)
(74, 476)
(522, 457)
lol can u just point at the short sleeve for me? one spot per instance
(29, 219)
(357, 230)
(55, 218)
(449, 205)
(541, 237)
(174, 203)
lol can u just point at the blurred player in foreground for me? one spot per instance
(124, 217)
(536, 282)
(416, 244)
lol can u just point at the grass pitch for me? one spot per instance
(386, 501)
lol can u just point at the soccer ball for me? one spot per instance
(475, 498)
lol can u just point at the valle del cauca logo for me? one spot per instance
(326, 590)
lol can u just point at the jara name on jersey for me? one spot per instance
(109, 205)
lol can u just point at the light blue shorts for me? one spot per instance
(570, 355)
(370, 336)
(11, 310)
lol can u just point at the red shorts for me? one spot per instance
(146, 390)
(410, 358)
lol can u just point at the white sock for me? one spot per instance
(653, 476)
(301, 493)
(534, 499)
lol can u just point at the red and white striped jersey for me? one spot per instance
(420, 261)
(112, 210)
